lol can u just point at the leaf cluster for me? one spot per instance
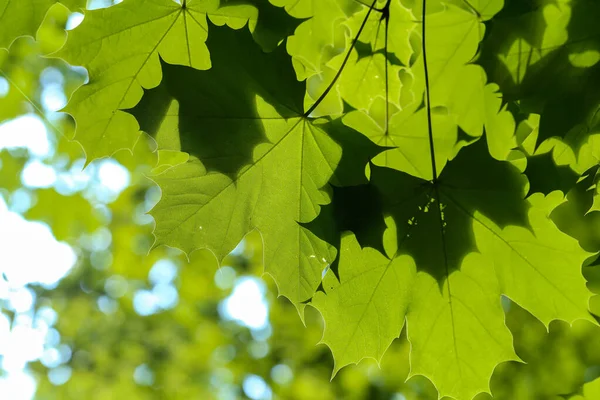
(406, 162)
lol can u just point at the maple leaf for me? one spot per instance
(579, 216)
(544, 56)
(24, 17)
(122, 58)
(474, 218)
(545, 176)
(590, 391)
(382, 168)
(256, 160)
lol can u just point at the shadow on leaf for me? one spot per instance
(220, 115)
(549, 57)
(434, 221)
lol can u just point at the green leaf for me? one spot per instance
(458, 336)
(414, 152)
(546, 176)
(272, 25)
(24, 17)
(122, 58)
(548, 55)
(578, 216)
(458, 100)
(256, 161)
(322, 36)
(474, 233)
(591, 390)
(366, 311)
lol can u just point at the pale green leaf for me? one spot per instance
(24, 17)
(122, 59)
(546, 56)
(472, 237)
(256, 162)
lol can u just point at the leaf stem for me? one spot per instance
(386, 18)
(472, 8)
(427, 96)
(337, 75)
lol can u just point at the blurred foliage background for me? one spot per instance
(89, 312)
